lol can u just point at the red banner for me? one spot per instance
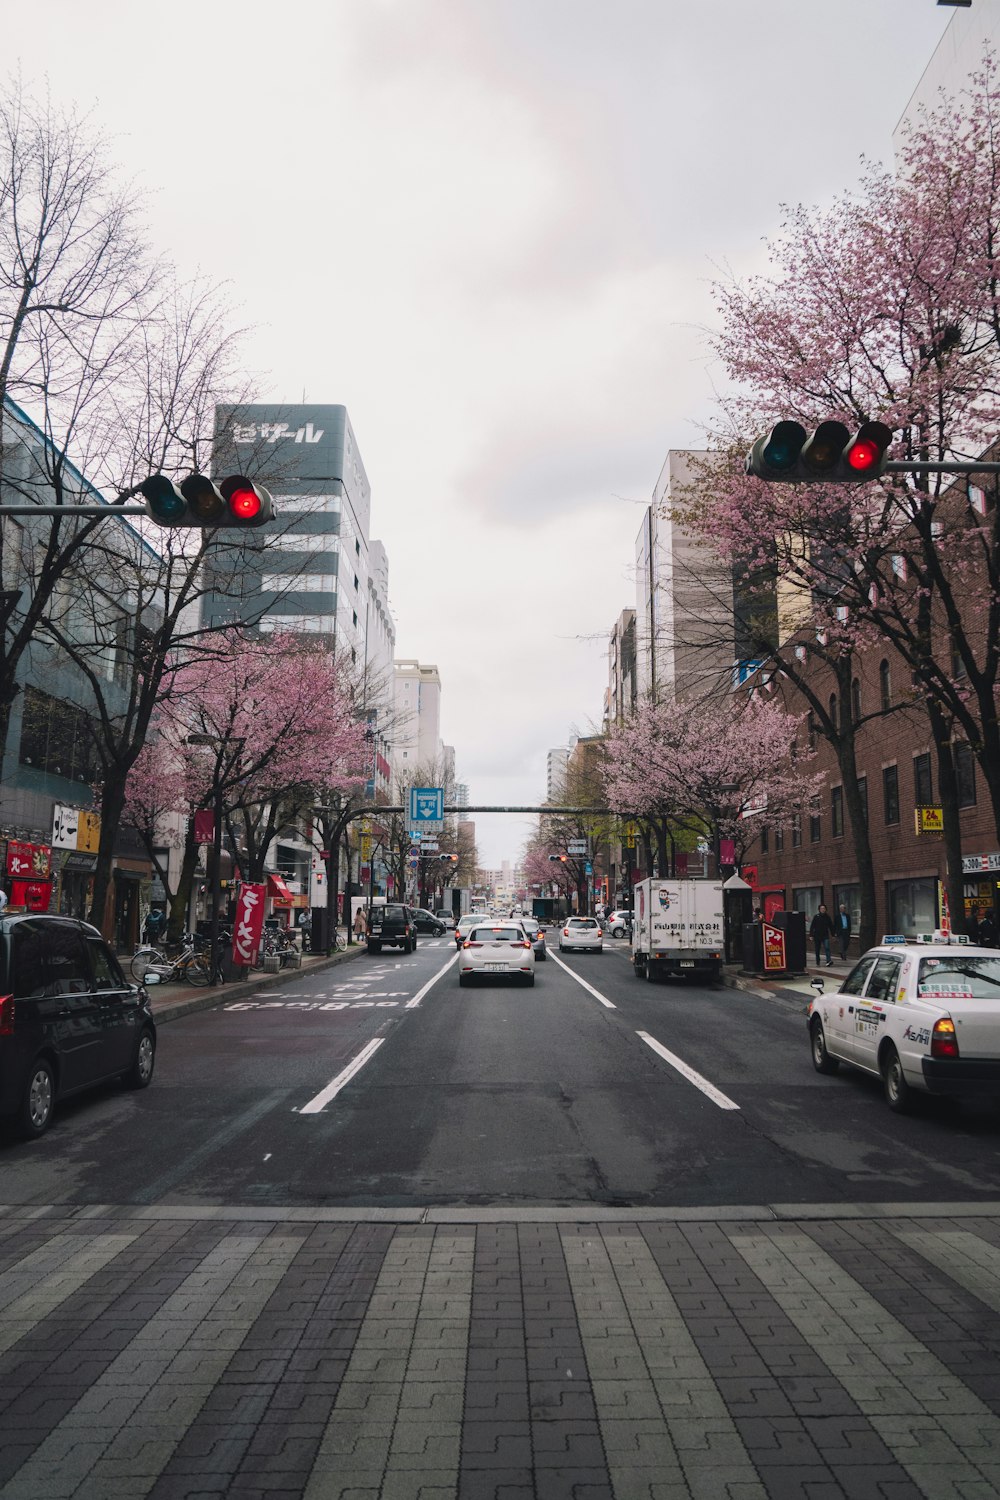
(249, 924)
(727, 851)
(749, 874)
(204, 826)
(28, 861)
(681, 862)
(33, 894)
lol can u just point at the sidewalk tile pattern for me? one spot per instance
(180, 1357)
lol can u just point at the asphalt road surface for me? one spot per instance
(383, 1083)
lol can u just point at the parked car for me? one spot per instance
(619, 924)
(69, 1019)
(922, 1016)
(496, 950)
(392, 924)
(447, 917)
(426, 921)
(533, 932)
(581, 932)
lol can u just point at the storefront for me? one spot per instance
(280, 899)
(28, 870)
(75, 876)
(981, 885)
(912, 906)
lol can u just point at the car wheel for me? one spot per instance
(140, 1075)
(374, 947)
(651, 975)
(37, 1100)
(898, 1094)
(822, 1061)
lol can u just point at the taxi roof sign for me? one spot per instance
(940, 937)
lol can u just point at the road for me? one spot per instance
(381, 1083)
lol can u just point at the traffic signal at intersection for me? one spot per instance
(831, 454)
(199, 501)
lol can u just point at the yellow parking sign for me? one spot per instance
(630, 835)
(929, 819)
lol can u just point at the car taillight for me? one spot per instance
(944, 1042)
(467, 944)
(6, 1015)
(565, 932)
(526, 944)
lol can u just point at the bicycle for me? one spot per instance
(190, 965)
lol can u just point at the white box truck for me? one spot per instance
(677, 929)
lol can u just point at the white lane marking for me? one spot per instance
(708, 1089)
(574, 975)
(332, 1089)
(268, 1156)
(421, 993)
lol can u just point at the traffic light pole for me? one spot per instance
(101, 512)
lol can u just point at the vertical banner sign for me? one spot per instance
(774, 947)
(943, 910)
(204, 827)
(249, 923)
(727, 851)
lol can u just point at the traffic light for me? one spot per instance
(199, 501)
(450, 859)
(828, 455)
(558, 859)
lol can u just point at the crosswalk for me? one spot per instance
(331, 1353)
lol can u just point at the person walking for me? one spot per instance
(843, 930)
(821, 931)
(360, 923)
(987, 931)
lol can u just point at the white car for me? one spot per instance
(465, 924)
(581, 932)
(618, 923)
(447, 917)
(921, 1015)
(496, 950)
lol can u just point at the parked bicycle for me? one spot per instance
(190, 965)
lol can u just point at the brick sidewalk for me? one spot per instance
(422, 1354)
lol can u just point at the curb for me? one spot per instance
(219, 994)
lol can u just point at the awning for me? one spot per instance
(277, 888)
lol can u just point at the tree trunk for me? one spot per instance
(954, 882)
(112, 804)
(864, 864)
(180, 902)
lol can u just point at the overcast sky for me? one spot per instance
(489, 228)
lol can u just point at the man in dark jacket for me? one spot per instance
(988, 931)
(843, 929)
(821, 931)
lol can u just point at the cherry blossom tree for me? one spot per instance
(885, 304)
(722, 766)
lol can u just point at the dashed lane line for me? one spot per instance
(574, 975)
(319, 1101)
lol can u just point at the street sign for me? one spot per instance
(429, 844)
(426, 808)
(366, 847)
(629, 835)
(576, 846)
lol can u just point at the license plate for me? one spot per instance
(496, 968)
(687, 963)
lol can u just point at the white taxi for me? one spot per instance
(496, 950)
(921, 1013)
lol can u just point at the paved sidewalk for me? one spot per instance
(775, 1351)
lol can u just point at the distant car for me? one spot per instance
(447, 917)
(426, 921)
(496, 950)
(581, 932)
(69, 1019)
(533, 931)
(391, 924)
(465, 923)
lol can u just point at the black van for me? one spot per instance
(69, 1019)
(392, 924)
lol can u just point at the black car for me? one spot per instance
(69, 1019)
(391, 924)
(426, 921)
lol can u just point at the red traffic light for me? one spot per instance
(865, 455)
(249, 504)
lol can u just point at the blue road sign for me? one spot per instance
(426, 804)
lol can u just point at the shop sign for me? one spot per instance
(774, 948)
(88, 837)
(249, 923)
(73, 829)
(749, 874)
(929, 819)
(79, 864)
(973, 862)
(727, 851)
(28, 861)
(35, 895)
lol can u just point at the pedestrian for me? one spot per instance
(821, 931)
(153, 925)
(360, 924)
(843, 929)
(3, 901)
(987, 931)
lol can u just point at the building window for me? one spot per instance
(814, 821)
(890, 793)
(355, 614)
(965, 775)
(779, 840)
(923, 788)
(837, 812)
(856, 700)
(764, 841)
(850, 895)
(863, 794)
(884, 685)
(56, 737)
(796, 830)
(357, 547)
(912, 905)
